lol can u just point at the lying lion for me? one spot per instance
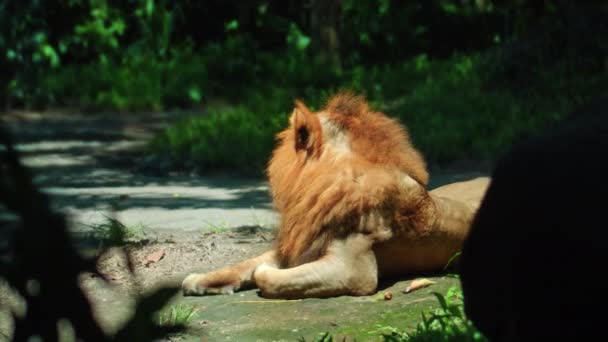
(350, 189)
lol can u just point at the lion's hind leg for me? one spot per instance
(226, 280)
(348, 268)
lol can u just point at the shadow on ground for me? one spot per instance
(91, 168)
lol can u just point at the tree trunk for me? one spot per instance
(324, 24)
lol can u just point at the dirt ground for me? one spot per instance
(165, 259)
(245, 316)
(189, 223)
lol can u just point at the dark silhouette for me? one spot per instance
(531, 262)
(39, 261)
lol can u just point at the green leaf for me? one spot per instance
(232, 25)
(150, 7)
(296, 38)
(384, 7)
(39, 37)
(11, 54)
(49, 53)
(454, 310)
(364, 38)
(63, 47)
(441, 300)
(324, 337)
(449, 7)
(195, 94)
(303, 42)
(263, 8)
(36, 57)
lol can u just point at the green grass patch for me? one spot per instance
(176, 316)
(241, 140)
(112, 232)
(217, 228)
(448, 323)
(452, 110)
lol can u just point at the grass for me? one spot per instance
(238, 136)
(458, 108)
(176, 316)
(451, 108)
(218, 228)
(321, 337)
(135, 83)
(448, 323)
(112, 232)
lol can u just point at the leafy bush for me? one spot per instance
(140, 81)
(450, 108)
(240, 139)
(461, 98)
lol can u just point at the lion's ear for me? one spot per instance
(307, 129)
(301, 130)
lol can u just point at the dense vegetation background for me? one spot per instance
(467, 77)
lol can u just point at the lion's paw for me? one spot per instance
(206, 284)
(264, 280)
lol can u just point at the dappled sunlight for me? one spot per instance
(50, 160)
(148, 127)
(155, 191)
(91, 167)
(163, 198)
(62, 145)
(153, 219)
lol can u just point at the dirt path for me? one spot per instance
(89, 164)
(93, 167)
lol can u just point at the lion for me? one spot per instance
(350, 189)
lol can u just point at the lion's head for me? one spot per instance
(330, 168)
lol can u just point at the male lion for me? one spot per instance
(350, 189)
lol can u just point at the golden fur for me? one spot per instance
(351, 192)
(321, 195)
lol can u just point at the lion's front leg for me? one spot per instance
(226, 280)
(348, 268)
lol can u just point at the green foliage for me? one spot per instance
(137, 82)
(100, 31)
(38, 42)
(296, 39)
(460, 98)
(241, 140)
(447, 323)
(155, 20)
(26, 50)
(217, 228)
(450, 109)
(236, 45)
(176, 315)
(112, 232)
(321, 337)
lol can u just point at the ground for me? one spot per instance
(94, 167)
